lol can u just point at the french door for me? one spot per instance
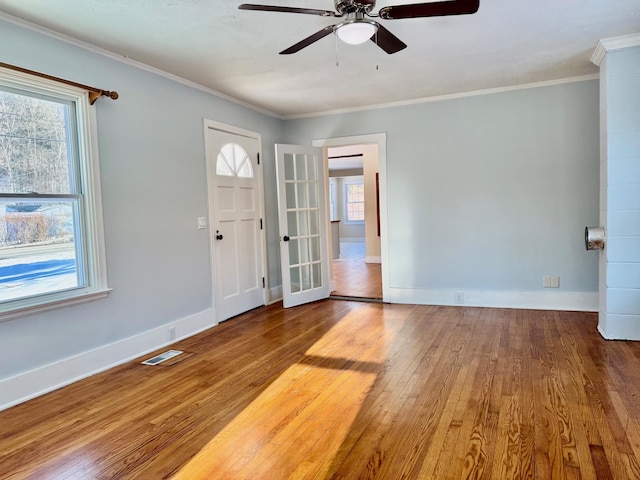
(304, 249)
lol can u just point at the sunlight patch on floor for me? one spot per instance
(296, 426)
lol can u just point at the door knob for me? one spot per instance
(286, 238)
(218, 235)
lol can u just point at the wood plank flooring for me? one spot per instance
(357, 279)
(350, 390)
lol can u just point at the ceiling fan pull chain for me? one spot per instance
(377, 53)
(337, 58)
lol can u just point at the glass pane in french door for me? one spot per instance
(302, 184)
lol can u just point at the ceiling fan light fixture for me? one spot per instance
(355, 33)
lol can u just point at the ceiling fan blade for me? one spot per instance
(271, 8)
(308, 41)
(433, 9)
(388, 41)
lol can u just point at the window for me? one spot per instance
(51, 246)
(354, 202)
(234, 161)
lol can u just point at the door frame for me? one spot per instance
(379, 139)
(233, 130)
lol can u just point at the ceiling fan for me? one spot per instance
(357, 28)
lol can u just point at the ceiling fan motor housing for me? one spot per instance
(351, 6)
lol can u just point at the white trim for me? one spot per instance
(275, 294)
(226, 128)
(534, 300)
(56, 300)
(96, 253)
(379, 139)
(439, 98)
(369, 259)
(614, 43)
(128, 61)
(41, 380)
(621, 327)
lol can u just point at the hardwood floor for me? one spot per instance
(357, 279)
(350, 390)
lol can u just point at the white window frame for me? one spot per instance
(333, 187)
(346, 184)
(92, 228)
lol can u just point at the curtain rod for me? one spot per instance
(94, 93)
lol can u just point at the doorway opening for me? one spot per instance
(354, 209)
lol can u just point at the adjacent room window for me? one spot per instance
(332, 199)
(51, 247)
(354, 202)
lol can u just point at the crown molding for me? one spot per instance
(128, 61)
(440, 98)
(614, 43)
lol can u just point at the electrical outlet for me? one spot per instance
(459, 298)
(551, 281)
(172, 333)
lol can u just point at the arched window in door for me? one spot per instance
(234, 161)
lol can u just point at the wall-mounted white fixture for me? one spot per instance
(594, 238)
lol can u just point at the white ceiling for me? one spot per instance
(212, 43)
(347, 157)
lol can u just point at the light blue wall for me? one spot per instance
(489, 192)
(154, 187)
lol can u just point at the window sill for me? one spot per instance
(64, 300)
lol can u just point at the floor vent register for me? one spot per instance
(163, 357)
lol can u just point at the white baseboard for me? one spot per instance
(31, 384)
(534, 300)
(620, 327)
(372, 259)
(352, 239)
(275, 294)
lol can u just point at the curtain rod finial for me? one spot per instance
(93, 96)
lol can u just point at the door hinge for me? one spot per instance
(263, 283)
(258, 157)
(260, 224)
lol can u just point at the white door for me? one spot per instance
(304, 250)
(235, 223)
